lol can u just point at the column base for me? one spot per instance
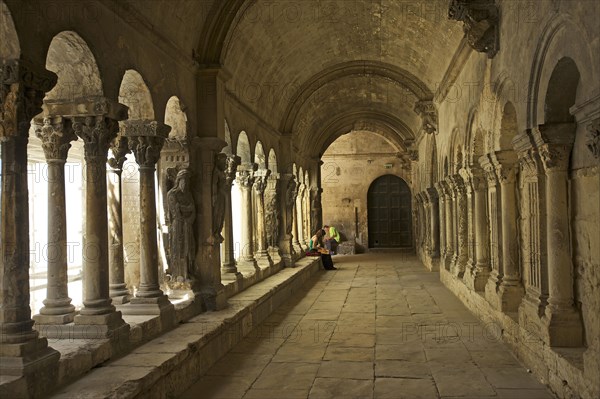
(231, 276)
(263, 260)
(297, 248)
(477, 278)
(147, 306)
(491, 290)
(246, 266)
(229, 268)
(275, 254)
(119, 294)
(210, 299)
(510, 295)
(121, 299)
(562, 328)
(54, 319)
(447, 260)
(110, 325)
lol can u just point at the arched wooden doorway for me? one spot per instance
(389, 213)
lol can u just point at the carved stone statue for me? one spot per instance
(182, 213)
(219, 195)
(316, 209)
(271, 217)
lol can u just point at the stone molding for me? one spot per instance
(427, 111)
(593, 141)
(87, 107)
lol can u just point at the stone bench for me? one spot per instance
(346, 248)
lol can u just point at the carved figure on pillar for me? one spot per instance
(219, 195)
(290, 200)
(480, 23)
(316, 219)
(182, 213)
(271, 217)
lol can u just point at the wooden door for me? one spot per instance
(389, 213)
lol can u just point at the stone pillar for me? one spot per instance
(481, 270)
(449, 216)
(228, 264)
(461, 252)
(316, 214)
(442, 217)
(511, 289)
(145, 139)
(245, 179)
(306, 215)
(116, 265)
(434, 228)
(297, 222)
(96, 129)
(495, 230)
(261, 255)
(288, 195)
(22, 351)
(56, 135)
(272, 217)
(563, 322)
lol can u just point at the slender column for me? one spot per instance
(116, 264)
(96, 131)
(295, 225)
(228, 264)
(272, 216)
(56, 135)
(22, 352)
(511, 289)
(262, 254)
(461, 256)
(306, 215)
(449, 225)
(287, 193)
(434, 251)
(245, 179)
(442, 216)
(563, 321)
(480, 221)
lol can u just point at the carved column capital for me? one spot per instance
(261, 180)
(233, 161)
(432, 194)
(480, 23)
(555, 157)
(593, 141)
(506, 172)
(119, 148)
(96, 132)
(529, 162)
(56, 135)
(428, 113)
(245, 178)
(146, 149)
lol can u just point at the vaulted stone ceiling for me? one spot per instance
(314, 68)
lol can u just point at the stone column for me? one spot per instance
(495, 230)
(272, 217)
(563, 321)
(116, 264)
(228, 264)
(511, 289)
(306, 215)
(56, 135)
(145, 140)
(22, 351)
(462, 232)
(434, 251)
(442, 217)
(288, 195)
(96, 131)
(261, 255)
(316, 216)
(297, 222)
(245, 179)
(481, 271)
(449, 225)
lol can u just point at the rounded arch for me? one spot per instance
(272, 164)
(228, 149)
(176, 117)
(562, 92)
(306, 178)
(134, 93)
(561, 38)
(508, 127)
(73, 62)
(10, 47)
(243, 148)
(300, 175)
(389, 213)
(259, 156)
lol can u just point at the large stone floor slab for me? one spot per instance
(381, 326)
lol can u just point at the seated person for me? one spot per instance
(316, 245)
(332, 238)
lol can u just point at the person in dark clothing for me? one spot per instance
(316, 245)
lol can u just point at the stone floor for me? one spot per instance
(381, 326)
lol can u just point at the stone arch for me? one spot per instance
(73, 62)
(562, 92)
(561, 38)
(134, 93)
(259, 156)
(176, 117)
(508, 127)
(10, 47)
(272, 163)
(243, 148)
(300, 174)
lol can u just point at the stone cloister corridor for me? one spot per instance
(166, 164)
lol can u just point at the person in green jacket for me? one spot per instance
(332, 238)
